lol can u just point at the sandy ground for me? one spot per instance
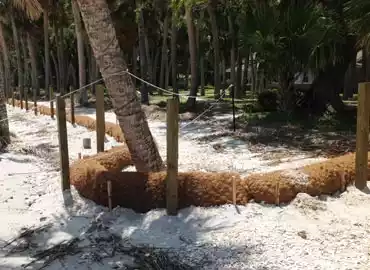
(309, 233)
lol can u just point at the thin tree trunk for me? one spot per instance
(245, 76)
(17, 53)
(83, 98)
(193, 57)
(156, 60)
(56, 69)
(47, 53)
(93, 70)
(167, 74)
(232, 56)
(216, 49)
(25, 63)
(4, 123)
(164, 59)
(254, 74)
(238, 78)
(56, 59)
(34, 69)
(202, 78)
(61, 59)
(127, 107)
(5, 54)
(144, 34)
(174, 54)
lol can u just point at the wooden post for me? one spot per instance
(100, 119)
(35, 101)
(362, 137)
(72, 98)
(172, 155)
(26, 101)
(63, 141)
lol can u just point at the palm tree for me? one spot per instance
(103, 39)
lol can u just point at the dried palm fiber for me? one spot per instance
(143, 192)
(111, 129)
(326, 177)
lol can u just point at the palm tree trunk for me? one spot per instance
(193, 56)
(57, 78)
(155, 65)
(143, 63)
(174, 54)
(47, 53)
(4, 123)
(83, 99)
(164, 52)
(5, 58)
(127, 106)
(202, 78)
(25, 63)
(34, 69)
(245, 76)
(61, 59)
(17, 53)
(232, 55)
(167, 74)
(216, 49)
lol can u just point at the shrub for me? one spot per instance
(268, 100)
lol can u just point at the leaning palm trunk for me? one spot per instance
(103, 40)
(4, 124)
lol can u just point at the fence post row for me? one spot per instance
(362, 135)
(63, 142)
(172, 155)
(100, 119)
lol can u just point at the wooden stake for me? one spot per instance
(109, 188)
(362, 136)
(277, 193)
(63, 142)
(100, 119)
(172, 155)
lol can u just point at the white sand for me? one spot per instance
(310, 233)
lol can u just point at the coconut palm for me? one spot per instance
(103, 39)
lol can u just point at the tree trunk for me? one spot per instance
(238, 74)
(202, 78)
(143, 63)
(244, 83)
(18, 54)
(127, 107)
(83, 97)
(216, 49)
(93, 70)
(232, 56)
(34, 69)
(5, 58)
(4, 123)
(144, 34)
(164, 52)
(47, 53)
(167, 75)
(155, 65)
(56, 69)
(193, 57)
(25, 63)
(61, 59)
(253, 75)
(350, 81)
(174, 54)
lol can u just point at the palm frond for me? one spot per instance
(32, 8)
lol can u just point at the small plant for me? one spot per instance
(268, 100)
